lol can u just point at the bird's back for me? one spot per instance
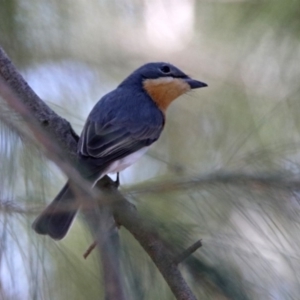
(122, 123)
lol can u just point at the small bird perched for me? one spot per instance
(118, 131)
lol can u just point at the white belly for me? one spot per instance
(121, 164)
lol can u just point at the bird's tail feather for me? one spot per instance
(57, 218)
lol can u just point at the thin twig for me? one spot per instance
(90, 249)
(186, 253)
(280, 181)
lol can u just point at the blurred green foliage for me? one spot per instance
(73, 52)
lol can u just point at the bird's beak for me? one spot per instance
(195, 84)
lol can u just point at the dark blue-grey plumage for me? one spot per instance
(121, 123)
(123, 112)
(124, 122)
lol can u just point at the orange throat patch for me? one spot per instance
(165, 90)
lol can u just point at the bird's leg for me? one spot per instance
(117, 182)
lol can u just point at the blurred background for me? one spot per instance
(247, 120)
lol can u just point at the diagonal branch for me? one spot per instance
(59, 128)
(61, 132)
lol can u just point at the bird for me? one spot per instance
(118, 131)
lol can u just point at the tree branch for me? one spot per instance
(123, 212)
(59, 128)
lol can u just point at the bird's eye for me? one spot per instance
(165, 69)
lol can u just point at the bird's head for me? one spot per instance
(163, 82)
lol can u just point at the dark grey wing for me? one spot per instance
(116, 140)
(121, 123)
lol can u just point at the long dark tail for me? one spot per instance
(57, 218)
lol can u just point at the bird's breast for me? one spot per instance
(165, 90)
